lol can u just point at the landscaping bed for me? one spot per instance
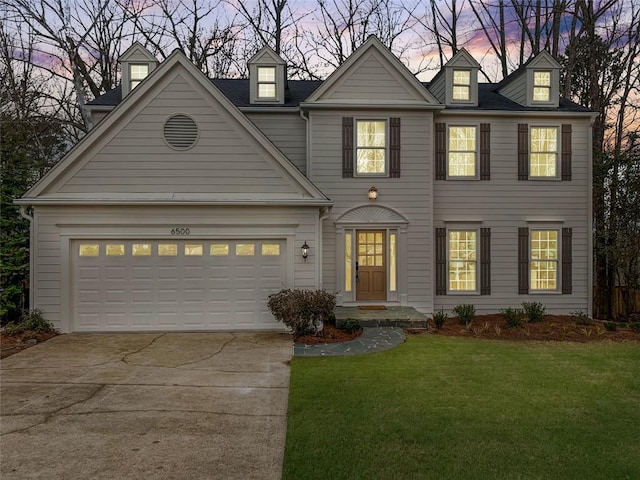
(10, 344)
(552, 328)
(330, 334)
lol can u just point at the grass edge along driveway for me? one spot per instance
(438, 407)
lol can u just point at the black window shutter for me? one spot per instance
(485, 261)
(523, 151)
(347, 147)
(394, 147)
(441, 261)
(441, 151)
(566, 152)
(523, 260)
(566, 260)
(485, 151)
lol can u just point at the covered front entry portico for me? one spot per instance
(371, 252)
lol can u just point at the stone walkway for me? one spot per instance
(373, 339)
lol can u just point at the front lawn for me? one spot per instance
(439, 407)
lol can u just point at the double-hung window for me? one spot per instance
(266, 82)
(543, 157)
(462, 260)
(461, 85)
(544, 264)
(137, 73)
(371, 147)
(462, 152)
(541, 86)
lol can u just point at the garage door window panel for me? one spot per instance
(245, 249)
(168, 249)
(193, 250)
(89, 250)
(115, 250)
(141, 249)
(219, 249)
(270, 249)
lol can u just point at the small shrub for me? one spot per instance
(635, 326)
(350, 325)
(34, 321)
(534, 311)
(497, 329)
(304, 311)
(586, 331)
(439, 318)
(599, 330)
(465, 313)
(514, 317)
(634, 317)
(581, 318)
(611, 326)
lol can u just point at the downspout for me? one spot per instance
(590, 218)
(24, 213)
(305, 116)
(324, 214)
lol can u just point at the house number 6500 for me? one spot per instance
(180, 231)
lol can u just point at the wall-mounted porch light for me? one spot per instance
(373, 193)
(305, 250)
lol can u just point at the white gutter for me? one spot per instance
(152, 202)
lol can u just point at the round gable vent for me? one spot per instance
(180, 132)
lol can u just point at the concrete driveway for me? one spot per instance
(143, 406)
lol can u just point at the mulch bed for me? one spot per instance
(559, 328)
(10, 344)
(330, 334)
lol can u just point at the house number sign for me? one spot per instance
(180, 231)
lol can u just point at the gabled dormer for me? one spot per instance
(267, 77)
(535, 84)
(457, 83)
(136, 63)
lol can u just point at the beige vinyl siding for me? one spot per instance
(410, 194)
(225, 160)
(516, 90)
(287, 131)
(55, 227)
(437, 88)
(381, 83)
(504, 204)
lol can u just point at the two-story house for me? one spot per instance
(192, 199)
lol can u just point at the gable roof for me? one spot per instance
(532, 62)
(137, 51)
(372, 45)
(462, 58)
(79, 153)
(267, 51)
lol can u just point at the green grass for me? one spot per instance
(440, 408)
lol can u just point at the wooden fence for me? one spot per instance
(625, 301)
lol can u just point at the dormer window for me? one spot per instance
(137, 73)
(461, 85)
(541, 86)
(266, 82)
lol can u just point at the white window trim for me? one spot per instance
(386, 146)
(454, 85)
(548, 87)
(138, 80)
(274, 83)
(558, 174)
(476, 176)
(558, 289)
(477, 260)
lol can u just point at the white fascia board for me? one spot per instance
(519, 113)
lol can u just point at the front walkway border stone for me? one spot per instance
(373, 339)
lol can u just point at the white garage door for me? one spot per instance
(137, 285)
